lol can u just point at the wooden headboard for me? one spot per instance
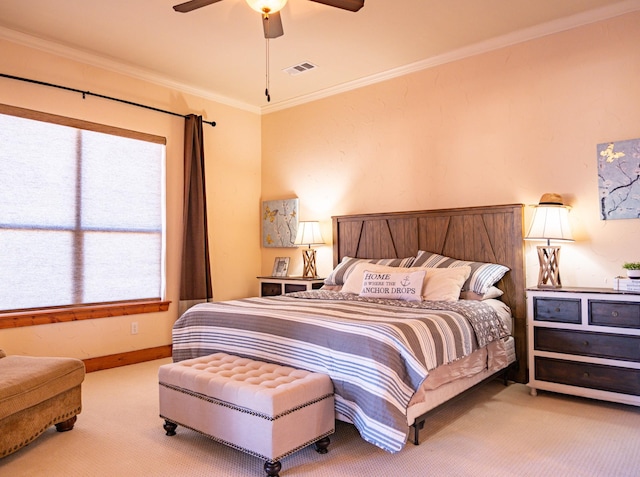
(485, 234)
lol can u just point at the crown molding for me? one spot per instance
(115, 66)
(503, 41)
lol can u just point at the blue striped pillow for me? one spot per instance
(483, 275)
(339, 274)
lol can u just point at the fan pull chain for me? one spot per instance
(266, 90)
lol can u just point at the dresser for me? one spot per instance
(273, 286)
(585, 342)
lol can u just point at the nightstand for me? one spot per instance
(273, 286)
(585, 342)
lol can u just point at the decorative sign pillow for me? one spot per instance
(353, 282)
(440, 284)
(396, 286)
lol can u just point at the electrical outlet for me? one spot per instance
(134, 327)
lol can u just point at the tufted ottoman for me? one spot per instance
(266, 410)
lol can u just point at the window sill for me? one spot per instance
(87, 312)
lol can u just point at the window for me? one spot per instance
(81, 212)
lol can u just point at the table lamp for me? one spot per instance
(550, 222)
(309, 234)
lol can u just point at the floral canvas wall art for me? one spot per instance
(619, 179)
(279, 222)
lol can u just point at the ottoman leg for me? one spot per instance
(66, 425)
(322, 444)
(170, 427)
(272, 468)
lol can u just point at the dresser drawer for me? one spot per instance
(562, 310)
(586, 375)
(270, 289)
(294, 287)
(614, 313)
(598, 345)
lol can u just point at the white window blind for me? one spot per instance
(81, 213)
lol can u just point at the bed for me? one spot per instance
(392, 360)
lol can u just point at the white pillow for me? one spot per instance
(493, 292)
(444, 284)
(483, 275)
(395, 286)
(440, 284)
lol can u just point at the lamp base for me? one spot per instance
(549, 258)
(309, 263)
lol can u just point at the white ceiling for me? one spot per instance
(218, 51)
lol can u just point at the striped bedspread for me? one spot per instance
(377, 352)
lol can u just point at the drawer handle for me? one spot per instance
(557, 310)
(614, 314)
(585, 343)
(585, 374)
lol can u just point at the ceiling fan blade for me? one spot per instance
(193, 5)
(272, 25)
(351, 5)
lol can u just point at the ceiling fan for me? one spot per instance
(270, 10)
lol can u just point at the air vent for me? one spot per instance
(300, 68)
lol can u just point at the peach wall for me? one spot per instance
(501, 127)
(232, 152)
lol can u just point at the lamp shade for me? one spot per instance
(267, 6)
(550, 220)
(309, 234)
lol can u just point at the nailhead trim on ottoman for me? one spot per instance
(263, 409)
(35, 394)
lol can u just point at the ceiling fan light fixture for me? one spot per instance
(267, 6)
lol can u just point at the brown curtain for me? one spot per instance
(195, 281)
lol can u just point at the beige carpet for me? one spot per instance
(495, 431)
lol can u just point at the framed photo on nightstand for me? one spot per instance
(280, 267)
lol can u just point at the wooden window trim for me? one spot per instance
(79, 124)
(61, 314)
(75, 313)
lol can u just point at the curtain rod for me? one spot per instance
(89, 93)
